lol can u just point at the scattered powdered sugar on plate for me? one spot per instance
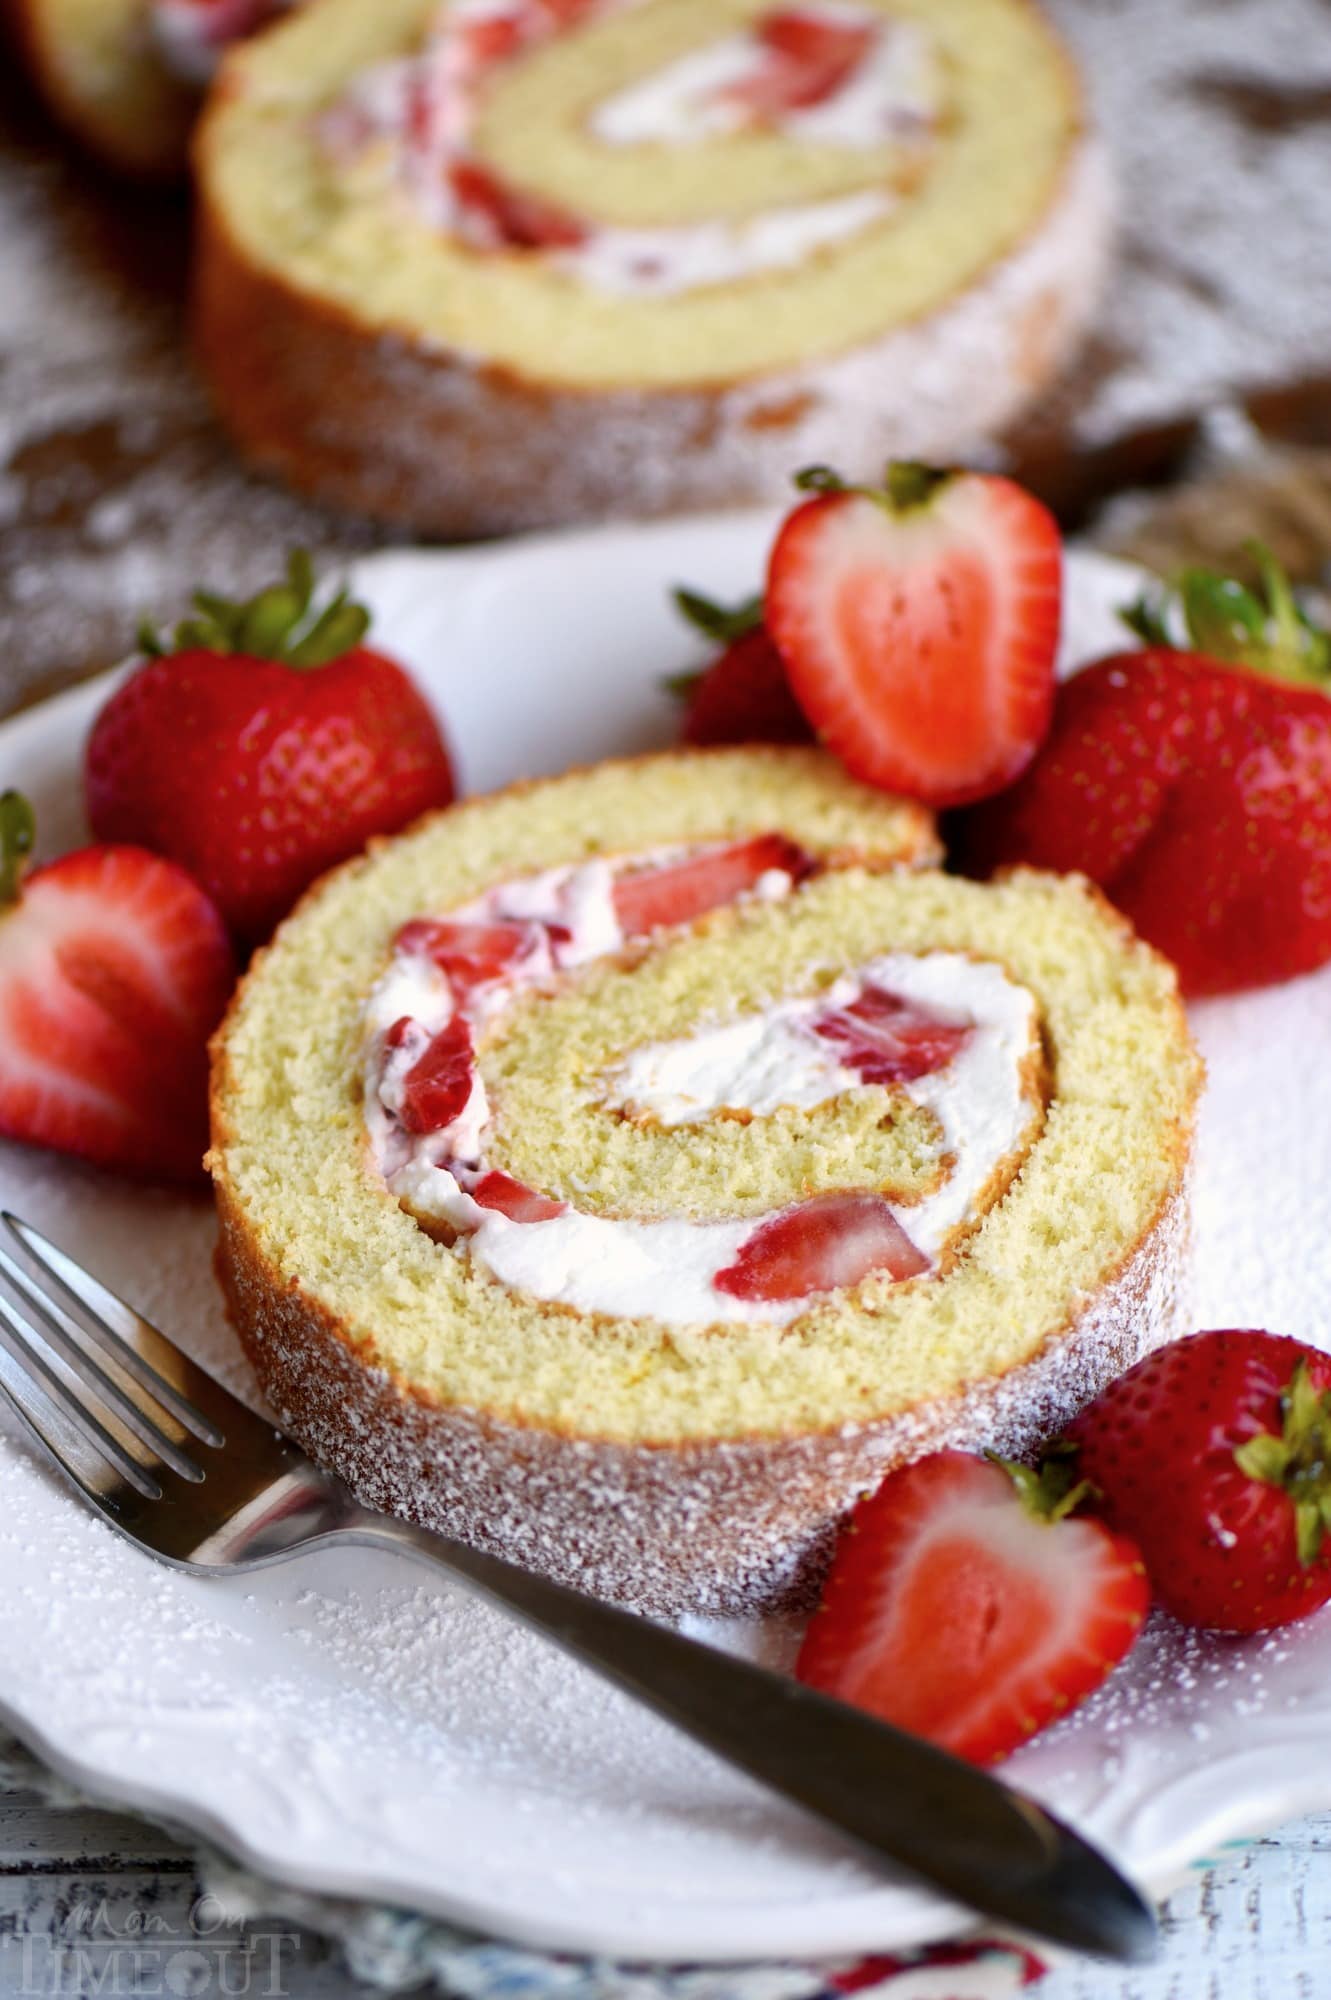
(353, 1724)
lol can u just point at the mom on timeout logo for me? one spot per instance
(100, 1952)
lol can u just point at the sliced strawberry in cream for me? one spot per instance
(439, 1083)
(472, 954)
(806, 59)
(492, 38)
(680, 891)
(520, 1204)
(819, 1246)
(886, 1039)
(494, 215)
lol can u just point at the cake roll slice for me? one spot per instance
(489, 264)
(624, 1172)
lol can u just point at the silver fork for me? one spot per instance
(193, 1477)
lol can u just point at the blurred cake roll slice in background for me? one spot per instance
(127, 76)
(503, 263)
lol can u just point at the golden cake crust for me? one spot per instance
(733, 1526)
(378, 421)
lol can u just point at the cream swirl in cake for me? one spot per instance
(944, 1033)
(656, 1018)
(825, 73)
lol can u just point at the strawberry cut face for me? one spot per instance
(919, 635)
(805, 60)
(954, 1612)
(439, 1083)
(823, 1245)
(509, 1197)
(887, 1040)
(679, 892)
(496, 215)
(114, 969)
(471, 954)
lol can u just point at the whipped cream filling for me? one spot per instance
(892, 94)
(572, 912)
(422, 109)
(764, 1061)
(654, 263)
(983, 1097)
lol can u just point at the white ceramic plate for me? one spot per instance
(353, 1725)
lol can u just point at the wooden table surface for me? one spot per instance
(117, 493)
(95, 1904)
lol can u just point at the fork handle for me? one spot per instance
(894, 1795)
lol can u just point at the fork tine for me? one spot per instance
(60, 1332)
(191, 1395)
(53, 1435)
(24, 1350)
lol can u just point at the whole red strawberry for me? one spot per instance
(967, 1603)
(114, 970)
(918, 623)
(1215, 1453)
(1194, 787)
(264, 745)
(744, 696)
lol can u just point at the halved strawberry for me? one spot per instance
(511, 1198)
(806, 59)
(891, 1040)
(439, 1082)
(472, 954)
(966, 1604)
(919, 626)
(497, 215)
(819, 1246)
(679, 892)
(114, 970)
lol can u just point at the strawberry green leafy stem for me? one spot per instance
(1267, 631)
(281, 623)
(1298, 1461)
(1051, 1491)
(906, 484)
(18, 830)
(718, 622)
